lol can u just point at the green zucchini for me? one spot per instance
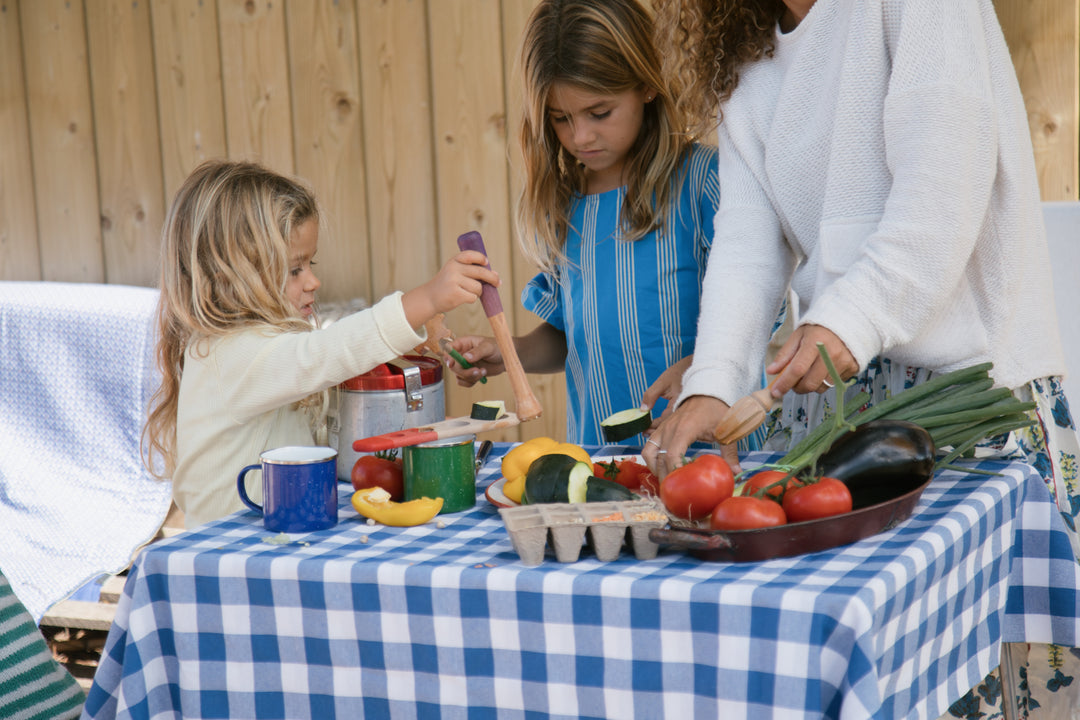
(625, 424)
(488, 410)
(560, 478)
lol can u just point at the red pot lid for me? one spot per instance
(391, 377)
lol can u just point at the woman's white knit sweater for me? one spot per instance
(882, 162)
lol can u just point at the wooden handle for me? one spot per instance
(526, 404)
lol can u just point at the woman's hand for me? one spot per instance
(482, 353)
(800, 366)
(695, 419)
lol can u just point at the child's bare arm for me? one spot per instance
(458, 282)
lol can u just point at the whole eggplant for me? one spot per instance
(880, 460)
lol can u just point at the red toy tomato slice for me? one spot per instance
(373, 471)
(765, 478)
(746, 513)
(649, 485)
(694, 489)
(824, 498)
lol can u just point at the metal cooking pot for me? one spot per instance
(406, 392)
(875, 507)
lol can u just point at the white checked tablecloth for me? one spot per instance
(428, 622)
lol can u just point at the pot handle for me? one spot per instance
(690, 540)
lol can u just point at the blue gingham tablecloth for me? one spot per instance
(425, 622)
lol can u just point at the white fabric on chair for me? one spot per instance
(1063, 236)
(76, 375)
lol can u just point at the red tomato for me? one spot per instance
(761, 480)
(694, 489)
(746, 513)
(824, 498)
(371, 470)
(630, 473)
(606, 470)
(626, 472)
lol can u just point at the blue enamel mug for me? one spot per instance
(299, 489)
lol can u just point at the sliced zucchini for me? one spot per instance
(488, 410)
(625, 424)
(561, 478)
(548, 479)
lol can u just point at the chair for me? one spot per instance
(1063, 237)
(1062, 220)
(76, 375)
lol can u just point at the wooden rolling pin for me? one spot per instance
(527, 406)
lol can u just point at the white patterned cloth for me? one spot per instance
(76, 375)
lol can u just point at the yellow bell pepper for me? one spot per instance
(515, 464)
(375, 503)
(517, 461)
(513, 489)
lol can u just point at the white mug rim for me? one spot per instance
(298, 455)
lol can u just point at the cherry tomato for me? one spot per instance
(740, 512)
(372, 470)
(694, 489)
(824, 498)
(761, 480)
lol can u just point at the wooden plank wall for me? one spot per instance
(398, 112)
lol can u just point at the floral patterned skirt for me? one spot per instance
(1049, 675)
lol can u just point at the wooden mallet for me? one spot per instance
(527, 406)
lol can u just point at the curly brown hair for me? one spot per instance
(704, 44)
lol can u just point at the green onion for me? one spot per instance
(958, 409)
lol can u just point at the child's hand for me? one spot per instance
(459, 281)
(482, 353)
(667, 386)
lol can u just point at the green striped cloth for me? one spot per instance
(33, 686)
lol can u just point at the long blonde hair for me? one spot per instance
(601, 46)
(224, 265)
(705, 43)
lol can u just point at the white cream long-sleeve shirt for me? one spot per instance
(238, 395)
(881, 161)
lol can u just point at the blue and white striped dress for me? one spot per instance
(629, 309)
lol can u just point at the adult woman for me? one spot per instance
(875, 158)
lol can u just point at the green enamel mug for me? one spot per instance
(443, 468)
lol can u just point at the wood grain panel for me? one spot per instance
(471, 162)
(1044, 41)
(62, 140)
(19, 258)
(398, 134)
(188, 73)
(325, 77)
(550, 389)
(128, 143)
(255, 82)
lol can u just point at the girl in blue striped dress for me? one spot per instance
(616, 211)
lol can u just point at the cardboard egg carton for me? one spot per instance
(567, 527)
